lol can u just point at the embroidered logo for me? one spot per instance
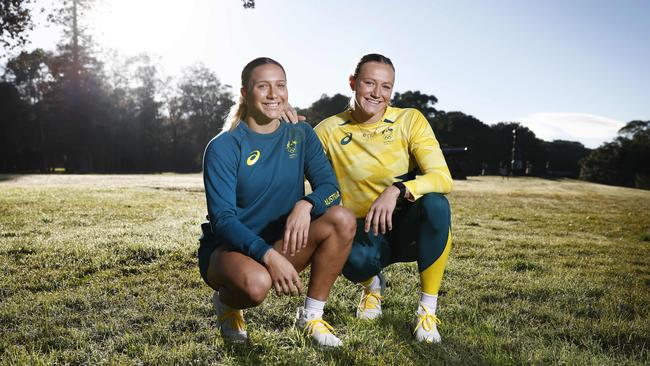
(388, 135)
(253, 157)
(346, 140)
(291, 148)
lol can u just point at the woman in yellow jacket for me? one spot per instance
(393, 177)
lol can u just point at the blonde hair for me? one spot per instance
(237, 113)
(238, 110)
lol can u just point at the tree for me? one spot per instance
(29, 72)
(603, 165)
(148, 121)
(15, 21)
(325, 107)
(634, 127)
(563, 157)
(457, 129)
(79, 88)
(202, 105)
(414, 99)
(14, 130)
(623, 161)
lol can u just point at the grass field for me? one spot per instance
(103, 270)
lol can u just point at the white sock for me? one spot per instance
(373, 285)
(430, 301)
(314, 307)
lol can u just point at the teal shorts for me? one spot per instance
(207, 244)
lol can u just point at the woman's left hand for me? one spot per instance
(290, 115)
(380, 214)
(296, 230)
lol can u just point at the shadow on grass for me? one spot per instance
(8, 177)
(249, 354)
(245, 353)
(451, 350)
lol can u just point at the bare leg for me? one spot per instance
(328, 246)
(242, 281)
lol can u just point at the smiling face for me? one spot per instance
(372, 88)
(266, 94)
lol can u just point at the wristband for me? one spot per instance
(402, 189)
(310, 200)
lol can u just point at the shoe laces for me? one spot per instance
(235, 318)
(426, 320)
(370, 300)
(318, 325)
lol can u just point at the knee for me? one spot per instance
(435, 207)
(344, 222)
(360, 266)
(256, 286)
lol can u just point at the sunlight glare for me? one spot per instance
(170, 29)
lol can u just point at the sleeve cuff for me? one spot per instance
(259, 253)
(310, 200)
(410, 185)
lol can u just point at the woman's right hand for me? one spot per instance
(285, 278)
(290, 115)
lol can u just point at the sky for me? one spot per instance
(575, 70)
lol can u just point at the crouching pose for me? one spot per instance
(393, 176)
(263, 229)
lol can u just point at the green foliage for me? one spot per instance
(101, 269)
(325, 107)
(15, 21)
(13, 137)
(634, 127)
(196, 114)
(623, 161)
(28, 72)
(90, 120)
(564, 156)
(414, 99)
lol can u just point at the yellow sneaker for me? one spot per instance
(317, 328)
(370, 305)
(230, 321)
(426, 329)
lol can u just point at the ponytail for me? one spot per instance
(236, 114)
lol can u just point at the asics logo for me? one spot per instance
(346, 140)
(253, 157)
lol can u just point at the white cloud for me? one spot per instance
(589, 129)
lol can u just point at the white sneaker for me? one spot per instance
(317, 328)
(370, 305)
(230, 321)
(426, 329)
